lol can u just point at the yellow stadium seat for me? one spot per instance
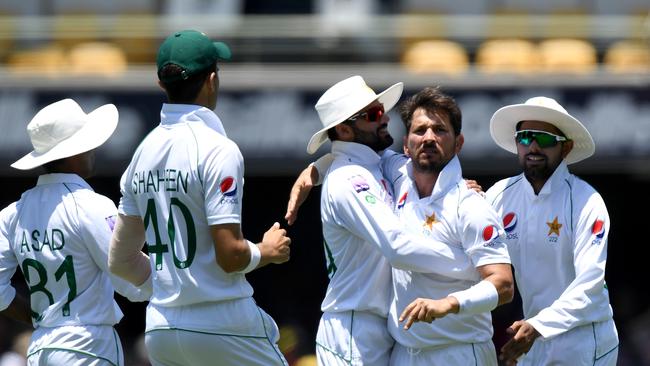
(507, 56)
(628, 56)
(435, 56)
(566, 55)
(307, 360)
(100, 58)
(49, 60)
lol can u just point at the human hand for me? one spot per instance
(427, 310)
(472, 184)
(524, 336)
(275, 245)
(299, 192)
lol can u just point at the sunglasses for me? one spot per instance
(544, 139)
(373, 114)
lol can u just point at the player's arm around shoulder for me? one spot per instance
(236, 254)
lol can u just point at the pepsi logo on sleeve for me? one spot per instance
(490, 234)
(228, 187)
(598, 231)
(509, 225)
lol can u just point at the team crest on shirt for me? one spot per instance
(509, 225)
(553, 230)
(598, 231)
(110, 220)
(490, 234)
(228, 187)
(402, 201)
(429, 221)
(359, 183)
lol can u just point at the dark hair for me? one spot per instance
(184, 91)
(431, 99)
(53, 166)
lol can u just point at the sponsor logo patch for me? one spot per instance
(509, 222)
(359, 183)
(598, 230)
(490, 233)
(111, 221)
(228, 186)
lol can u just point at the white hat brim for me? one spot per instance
(388, 98)
(504, 122)
(100, 126)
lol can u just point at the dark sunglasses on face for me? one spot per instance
(373, 114)
(544, 139)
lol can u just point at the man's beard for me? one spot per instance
(540, 172)
(429, 166)
(372, 140)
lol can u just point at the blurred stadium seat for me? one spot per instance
(436, 56)
(306, 360)
(47, 60)
(567, 55)
(100, 58)
(507, 56)
(627, 56)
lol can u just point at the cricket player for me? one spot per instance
(363, 237)
(182, 193)
(436, 203)
(557, 227)
(58, 233)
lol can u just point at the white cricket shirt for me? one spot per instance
(185, 176)
(363, 237)
(455, 215)
(58, 233)
(558, 244)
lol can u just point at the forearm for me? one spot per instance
(125, 256)
(501, 278)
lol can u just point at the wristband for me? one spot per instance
(480, 298)
(255, 258)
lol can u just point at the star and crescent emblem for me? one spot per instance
(554, 227)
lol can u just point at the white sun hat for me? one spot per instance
(504, 122)
(62, 129)
(346, 98)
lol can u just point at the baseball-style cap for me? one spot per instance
(191, 50)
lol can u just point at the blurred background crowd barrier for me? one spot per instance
(591, 55)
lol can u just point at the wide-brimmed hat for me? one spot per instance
(504, 122)
(346, 98)
(62, 129)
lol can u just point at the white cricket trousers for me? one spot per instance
(353, 338)
(458, 354)
(73, 345)
(234, 332)
(590, 344)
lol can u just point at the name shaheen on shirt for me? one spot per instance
(171, 180)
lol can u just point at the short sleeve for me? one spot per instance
(482, 232)
(128, 205)
(223, 184)
(8, 262)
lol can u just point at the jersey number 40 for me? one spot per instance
(158, 248)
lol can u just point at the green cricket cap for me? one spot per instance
(191, 50)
